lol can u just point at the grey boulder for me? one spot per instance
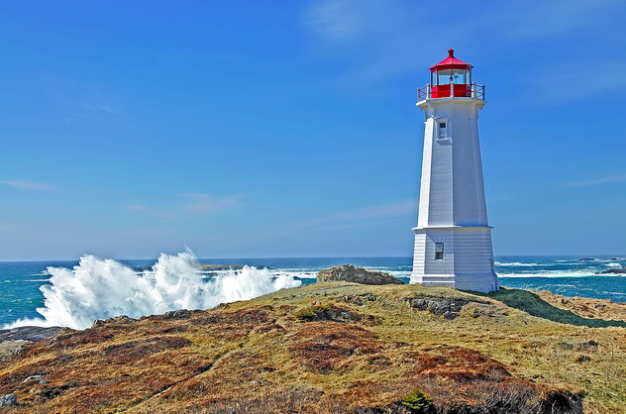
(349, 273)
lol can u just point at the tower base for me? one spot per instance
(457, 257)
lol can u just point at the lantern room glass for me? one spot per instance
(448, 76)
(458, 76)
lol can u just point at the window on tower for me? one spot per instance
(443, 134)
(438, 251)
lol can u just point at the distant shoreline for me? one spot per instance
(203, 266)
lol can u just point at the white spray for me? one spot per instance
(100, 289)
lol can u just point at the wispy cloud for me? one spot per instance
(599, 181)
(336, 19)
(362, 215)
(588, 83)
(28, 185)
(387, 38)
(7, 226)
(554, 17)
(82, 102)
(202, 204)
(379, 35)
(138, 208)
(99, 107)
(197, 204)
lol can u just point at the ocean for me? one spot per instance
(76, 293)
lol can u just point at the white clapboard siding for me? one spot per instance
(452, 208)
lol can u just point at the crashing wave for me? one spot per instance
(104, 288)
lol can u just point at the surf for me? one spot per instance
(103, 288)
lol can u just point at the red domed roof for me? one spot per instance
(451, 63)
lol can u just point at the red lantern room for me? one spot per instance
(451, 78)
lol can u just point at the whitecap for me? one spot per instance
(520, 264)
(554, 274)
(103, 288)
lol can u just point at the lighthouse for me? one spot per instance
(452, 238)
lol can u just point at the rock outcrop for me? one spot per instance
(612, 270)
(449, 307)
(439, 306)
(29, 333)
(349, 273)
(8, 400)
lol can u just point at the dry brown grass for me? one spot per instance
(259, 357)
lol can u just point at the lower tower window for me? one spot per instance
(438, 251)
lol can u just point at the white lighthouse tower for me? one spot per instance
(452, 237)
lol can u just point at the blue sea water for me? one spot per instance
(20, 282)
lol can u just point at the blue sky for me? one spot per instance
(287, 129)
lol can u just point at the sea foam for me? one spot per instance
(103, 288)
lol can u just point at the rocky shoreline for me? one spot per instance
(29, 333)
(13, 340)
(613, 270)
(202, 266)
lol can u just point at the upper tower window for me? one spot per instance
(442, 128)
